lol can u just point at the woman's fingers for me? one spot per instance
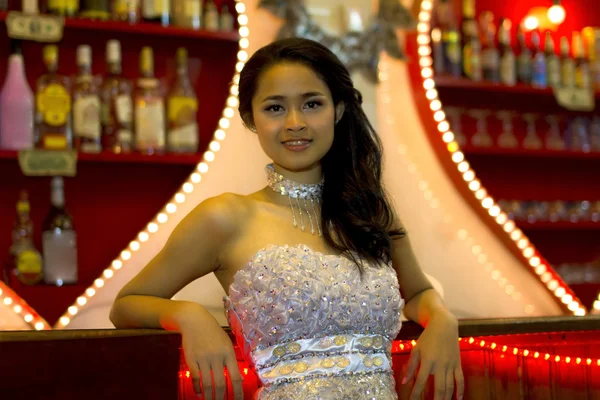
(235, 377)
(205, 375)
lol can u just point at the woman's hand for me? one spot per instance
(208, 350)
(437, 353)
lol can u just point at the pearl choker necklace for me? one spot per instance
(299, 192)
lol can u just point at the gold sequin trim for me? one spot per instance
(340, 340)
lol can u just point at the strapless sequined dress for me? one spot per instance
(312, 328)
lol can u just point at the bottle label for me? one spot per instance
(123, 109)
(568, 73)
(86, 117)
(55, 141)
(553, 71)
(508, 72)
(150, 124)
(54, 104)
(29, 266)
(582, 76)
(192, 8)
(60, 256)
(182, 110)
(184, 138)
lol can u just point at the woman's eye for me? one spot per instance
(274, 108)
(313, 104)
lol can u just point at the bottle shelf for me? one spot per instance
(520, 152)
(558, 226)
(143, 28)
(449, 82)
(124, 158)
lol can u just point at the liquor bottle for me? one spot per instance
(227, 20)
(187, 13)
(117, 110)
(16, 105)
(539, 77)
(53, 106)
(552, 62)
(95, 9)
(472, 64)
(126, 10)
(567, 64)
(211, 16)
(447, 22)
(594, 56)
(59, 240)
(469, 33)
(156, 11)
(582, 68)
(508, 71)
(68, 8)
(149, 108)
(86, 105)
(439, 65)
(524, 67)
(490, 56)
(182, 110)
(26, 260)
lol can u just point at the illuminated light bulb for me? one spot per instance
(463, 166)
(424, 51)
(494, 211)
(220, 134)
(152, 227)
(546, 277)
(209, 156)
(528, 252)
(536, 354)
(39, 326)
(99, 283)
(162, 218)
(515, 351)
(73, 310)
(117, 264)
(423, 27)
(523, 243)
(0, 292)
(429, 84)
(244, 43)
(426, 72)
(516, 234)
(501, 219)
(224, 123)
(424, 16)
(196, 178)
(236, 79)
(426, 5)
(125, 255)
(547, 357)
(534, 261)
(439, 116)
(17, 309)
(443, 126)
(469, 176)
(90, 292)
(448, 137)
(493, 346)
(234, 90)
(240, 7)
(431, 94)
(471, 340)
(65, 320)
(474, 186)
(578, 360)
(530, 23)
(8, 301)
(509, 226)
(573, 306)
(239, 66)
(452, 147)
(179, 198)
(525, 353)
(504, 348)
(482, 343)
(597, 305)
(244, 31)
(567, 299)
(588, 361)
(135, 246)
(203, 168)
(557, 14)
(243, 19)
(108, 273)
(557, 358)
(28, 318)
(480, 194)
(488, 202)
(553, 284)
(540, 269)
(188, 187)
(413, 342)
(232, 102)
(81, 300)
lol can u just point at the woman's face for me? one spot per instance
(294, 116)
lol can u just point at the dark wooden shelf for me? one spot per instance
(449, 82)
(520, 152)
(127, 158)
(558, 226)
(144, 28)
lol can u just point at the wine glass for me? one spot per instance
(481, 138)
(454, 115)
(595, 133)
(554, 140)
(507, 138)
(532, 141)
(579, 139)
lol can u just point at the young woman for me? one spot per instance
(311, 263)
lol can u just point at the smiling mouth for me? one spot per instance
(299, 142)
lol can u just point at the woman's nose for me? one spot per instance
(295, 121)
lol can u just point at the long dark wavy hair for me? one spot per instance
(356, 216)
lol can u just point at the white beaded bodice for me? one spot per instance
(312, 327)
